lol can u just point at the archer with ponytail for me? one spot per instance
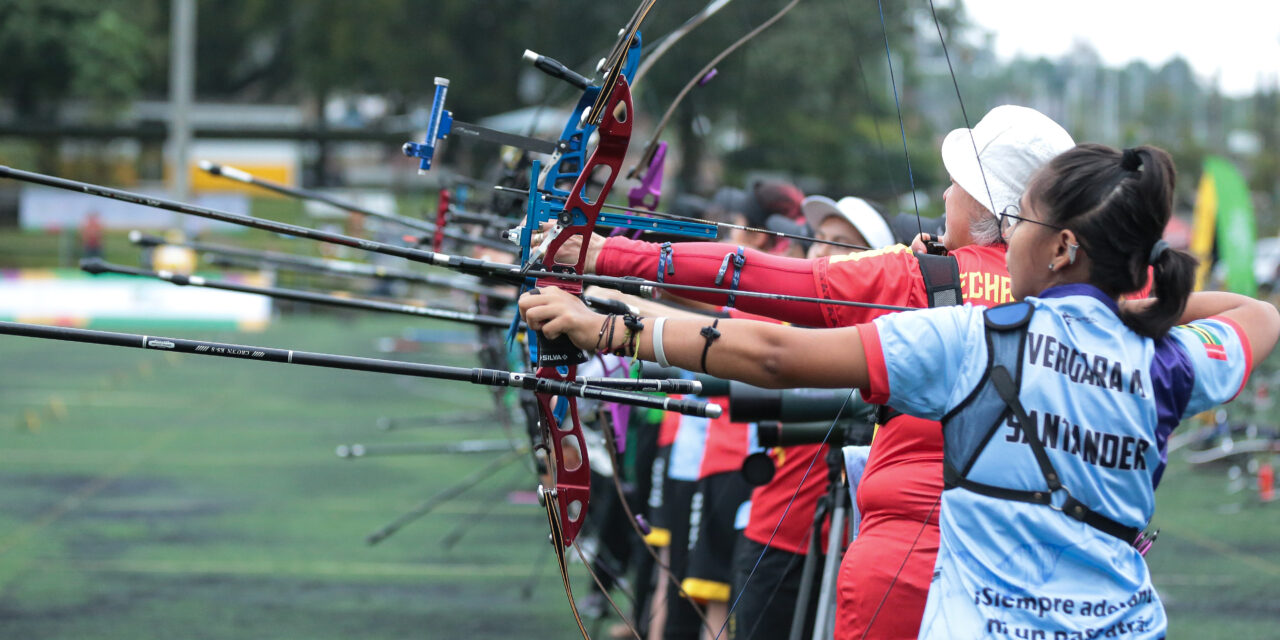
(1056, 409)
(1117, 204)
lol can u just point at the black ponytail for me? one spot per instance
(1117, 204)
(1172, 278)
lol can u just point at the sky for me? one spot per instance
(1236, 40)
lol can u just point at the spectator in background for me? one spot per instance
(91, 236)
(753, 207)
(850, 221)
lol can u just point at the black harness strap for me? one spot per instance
(1007, 389)
(941, 279)
(1072, 507)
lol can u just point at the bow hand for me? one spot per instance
(556, 313)
(572, 247)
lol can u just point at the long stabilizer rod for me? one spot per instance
(489, 377)
(509, 273)
(96, 266)
(233, 173)
(320, 265)
(506, 272)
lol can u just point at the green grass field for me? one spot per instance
(149, 495)
(152, 495)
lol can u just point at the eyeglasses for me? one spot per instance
(1009, 219)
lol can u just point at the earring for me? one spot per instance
(1051, 266)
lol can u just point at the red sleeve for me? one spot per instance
(1244, 344)
(885, 276)
(698, 263)
(877, 391)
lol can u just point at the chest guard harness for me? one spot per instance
(970, 426)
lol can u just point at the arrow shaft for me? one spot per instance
(505, 272)
(488, 377)
(309, 296)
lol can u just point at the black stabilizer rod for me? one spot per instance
(556, 69)
(510, 273)
(255, 259)
(238, 262)
(489, 377)
(673, 385)
(506, 272)
(97, 266)
(238, 175)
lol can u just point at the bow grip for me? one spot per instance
(559, 352)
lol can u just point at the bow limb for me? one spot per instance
(559, 361)
(675, 36)
(650, 147)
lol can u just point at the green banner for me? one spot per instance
(1236, 233)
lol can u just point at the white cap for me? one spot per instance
(856, 211)
(1013, 143)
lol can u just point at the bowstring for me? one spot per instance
(897, 104)
(963, 113)
(612, 447)
(955, 82)
(604, 592)
(557, 542)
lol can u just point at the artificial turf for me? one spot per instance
(149, 495)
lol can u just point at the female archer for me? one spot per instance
(1055, 409)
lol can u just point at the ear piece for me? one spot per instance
(1071, 252)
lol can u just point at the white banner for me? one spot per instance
(68, 297)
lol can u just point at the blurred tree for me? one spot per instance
(809, 98)
(60, 49)
(1265, 175)
(55, 49)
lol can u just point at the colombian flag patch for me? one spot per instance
(1212, 345)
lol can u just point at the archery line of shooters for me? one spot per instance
(1030, 522)
(805, 513)
(739, 507)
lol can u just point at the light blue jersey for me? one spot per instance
(1104, 401)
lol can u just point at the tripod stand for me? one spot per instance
(844, 471)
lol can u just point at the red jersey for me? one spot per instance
(727, 443)
(769, 502)
(670, 425)
(892, 276)
(885, 575)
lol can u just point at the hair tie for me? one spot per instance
(1130, 160)
(1157, 250)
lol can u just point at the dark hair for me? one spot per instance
(777, 196)
(1117, 204)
